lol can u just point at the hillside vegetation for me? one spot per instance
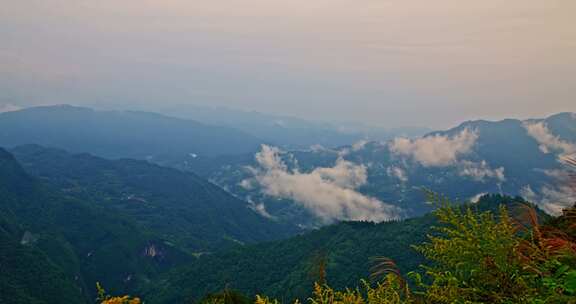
(288, 269)
(471, 255)
(54, 244)
(183, 208)
(74, 224)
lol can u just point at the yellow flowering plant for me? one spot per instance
(104, 298)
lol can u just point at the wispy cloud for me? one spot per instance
(551, 199)
(547, 141)
(357, 146)
(480, 171)
(435, 150)
(397, 172)
(329, 193)
(8, 107)
(476, 198)
(260, 208)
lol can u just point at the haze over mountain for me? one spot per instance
(289, 132)
(70, 220)
(120, 134)
(198, 122)
(378, 180)
(287, 151)
(388, 63)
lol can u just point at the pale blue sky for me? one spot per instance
(391, 63)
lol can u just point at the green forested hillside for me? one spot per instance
(288, 269)
(181, 207)
(66, 240)
(74, 240)
(27, 275)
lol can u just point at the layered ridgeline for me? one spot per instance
(81, 219)
(512, 157)
(365, 181)
(120, 134)
(55, 247)
(287, 269)
(187, 134)
(288, 132)
(183, 208)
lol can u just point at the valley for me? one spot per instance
(173, 228)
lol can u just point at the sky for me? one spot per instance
(388, 63)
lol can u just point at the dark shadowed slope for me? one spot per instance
(66, 240)
(184, 208)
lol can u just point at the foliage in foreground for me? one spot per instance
(475, 257)
(493, 258)
(104, 298)
(479, 257)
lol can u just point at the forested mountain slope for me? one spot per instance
(181, 207)
(58, 241)
(287, 269)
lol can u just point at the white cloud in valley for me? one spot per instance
(552, 199)
(476, 198)
(357, 146)
(435, 150)
(8, 107)
(397, 172)
(480, 171)
(318, 148)
(444, 151)
(260, 208)
(329, 193)
(548, 142)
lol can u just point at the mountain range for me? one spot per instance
(120, 134)
(173, 209)
(183, 208)
(512, 157)
(84, 219)
(289, 132)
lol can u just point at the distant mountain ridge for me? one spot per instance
(116, 134)
(69, 220)
(289, 132)
(514, 157)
